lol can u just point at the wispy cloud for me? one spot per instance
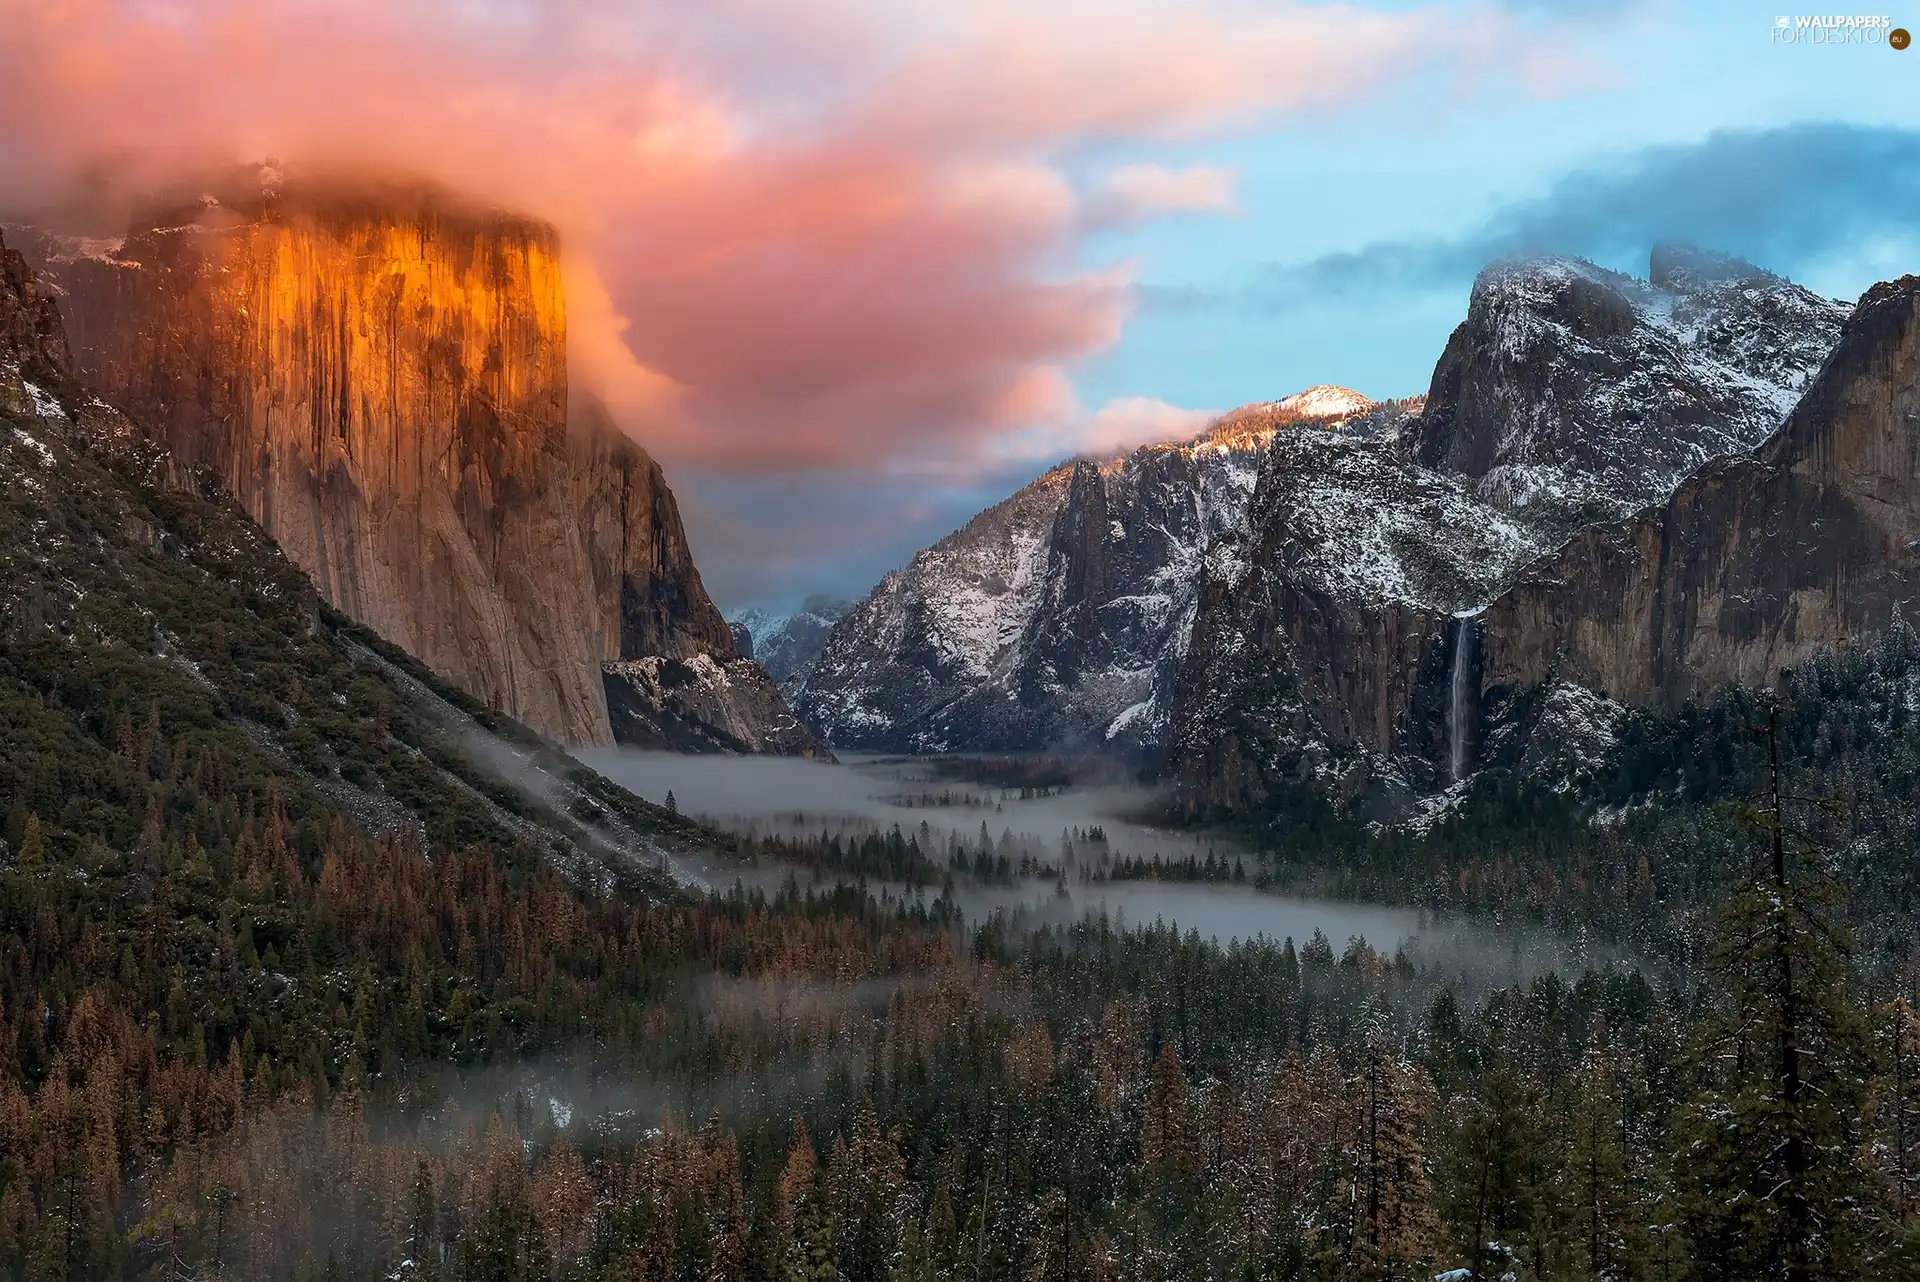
(1785, 198)
(1134, 192)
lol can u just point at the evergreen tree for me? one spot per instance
(1600, 1228)
(423, 1223)
(1398, 1226)
(1893, 1145)
(1770, 1177)
(33, 848)
(806, 1248)
(1496, 1171)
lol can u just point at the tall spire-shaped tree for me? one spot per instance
(1770, 1142)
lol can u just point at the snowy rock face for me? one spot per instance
(704, 703)
(1060, 617)
(1589, 395)
(787, 644)
(1342, 643)
(1755, 563)
(1324, 637)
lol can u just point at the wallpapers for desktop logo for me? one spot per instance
(1838, 29)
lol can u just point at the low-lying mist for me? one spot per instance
(786, 794)
(765, 795)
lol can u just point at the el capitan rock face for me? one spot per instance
(379, 377)
(647, 592)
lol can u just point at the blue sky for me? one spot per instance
(1207, 334)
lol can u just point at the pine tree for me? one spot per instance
(1166, 1131)
(1398, 1225)
(1496, 1183)
(423, 1226)
(807, 1250)
(1769, 1177)
(1600, 1228)
(1893, 1145)
(33, 847)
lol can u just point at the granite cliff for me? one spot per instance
(1584, 393)
(1755, 564)
(1338, 646)
(379, 378)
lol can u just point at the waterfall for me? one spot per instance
(1458, 712)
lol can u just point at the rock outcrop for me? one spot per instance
(1057, 618)
(1342, 644)
(33, 346)
(1755, 563)
(703, 704)
(1313, 653)
(1587, 394)
(379, 377)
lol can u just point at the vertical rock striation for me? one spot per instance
(379, 377)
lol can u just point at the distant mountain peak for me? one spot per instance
(787, 641)
(1324, 400)
(1252, 426)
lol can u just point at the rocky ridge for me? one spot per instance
(1059, 617)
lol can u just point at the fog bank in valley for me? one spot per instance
(784, 795)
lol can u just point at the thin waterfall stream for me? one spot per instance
(1457, 711)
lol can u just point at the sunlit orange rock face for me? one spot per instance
(382, 383)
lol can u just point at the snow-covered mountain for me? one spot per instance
(1061, 615)
(1336, 643)
(785, 643)
(1291, 597)
(1592, 394)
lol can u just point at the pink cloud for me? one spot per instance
(1134, 192)
(1064, 429)
(831, 234)
(1129, 422)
